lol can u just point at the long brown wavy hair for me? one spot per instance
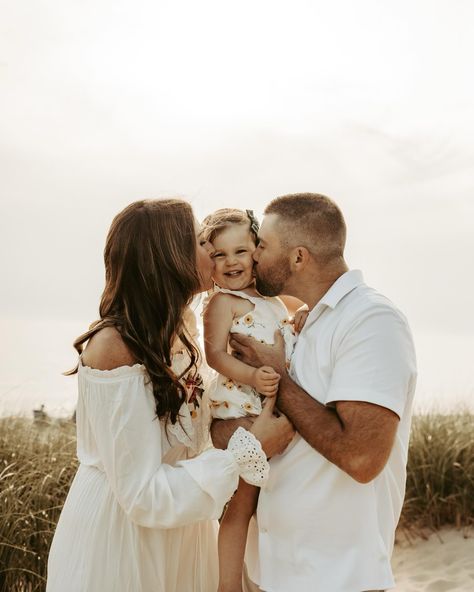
(150, 278)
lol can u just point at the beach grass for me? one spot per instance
(38, 462)
(440, 475)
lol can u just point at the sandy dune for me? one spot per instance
(442, 563)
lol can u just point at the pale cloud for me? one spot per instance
(370, 102)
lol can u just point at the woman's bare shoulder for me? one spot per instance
(106, 350)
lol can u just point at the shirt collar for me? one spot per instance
(341, 287)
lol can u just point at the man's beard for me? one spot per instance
(272, 280)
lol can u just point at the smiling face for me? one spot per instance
(233, 250)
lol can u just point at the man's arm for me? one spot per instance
(367, 393)
(355, 436)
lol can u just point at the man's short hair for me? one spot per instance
(313, 221)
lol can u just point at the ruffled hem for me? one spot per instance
(119, 372)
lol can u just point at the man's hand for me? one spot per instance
(273, 432)
(252, 352)
(266, 381)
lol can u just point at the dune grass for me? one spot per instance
(38, 462)
(440, 476)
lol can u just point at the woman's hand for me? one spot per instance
(274, 433)
(265, 381)
(257, 354)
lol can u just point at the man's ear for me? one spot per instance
(299, 258)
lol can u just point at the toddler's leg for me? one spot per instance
(233, 536)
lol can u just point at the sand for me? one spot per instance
(440, 563)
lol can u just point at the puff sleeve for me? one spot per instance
(119, 409)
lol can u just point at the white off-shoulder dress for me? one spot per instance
(141, 512)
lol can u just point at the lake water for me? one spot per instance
(34, 353)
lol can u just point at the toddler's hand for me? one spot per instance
(300, 318)
(266, 381)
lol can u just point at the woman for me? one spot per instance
(138, 515)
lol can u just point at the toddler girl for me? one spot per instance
(237, 307)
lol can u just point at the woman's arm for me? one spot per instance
(120, 409)
(218, 318)
(154, 494)
(128, 438)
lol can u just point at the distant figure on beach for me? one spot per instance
(40, 414)
(326, 517)
(141, 512)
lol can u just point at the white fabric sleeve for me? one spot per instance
(248, 453)
(375, 361)
(128, 437)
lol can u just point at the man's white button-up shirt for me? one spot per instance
(318, 529)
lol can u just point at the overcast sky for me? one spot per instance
(231, 104)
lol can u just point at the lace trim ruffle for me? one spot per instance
(121, 371)
(249, 455)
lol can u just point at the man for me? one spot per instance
(327, 518)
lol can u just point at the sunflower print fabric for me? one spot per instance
(229, 399)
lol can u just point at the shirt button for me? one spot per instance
(264, 530)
